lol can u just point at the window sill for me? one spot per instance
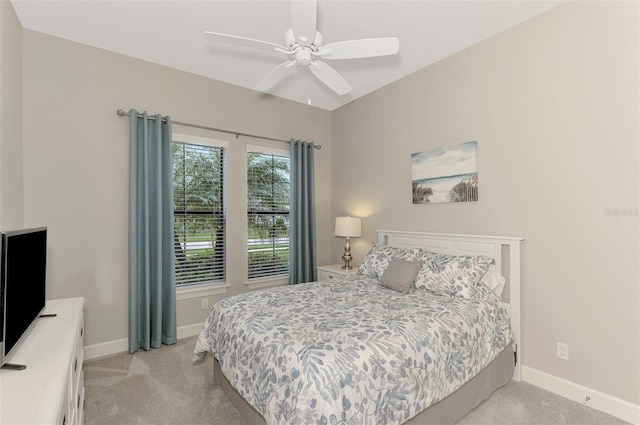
(198, 291)
(267, 282)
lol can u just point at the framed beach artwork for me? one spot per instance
(447, 174)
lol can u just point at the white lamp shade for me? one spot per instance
(348, 227)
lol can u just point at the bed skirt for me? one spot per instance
(447, 411)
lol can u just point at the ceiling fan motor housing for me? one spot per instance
(303, 56)
(303, 51)
(291, 42)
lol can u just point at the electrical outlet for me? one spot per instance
(562, 351)
(204, 303)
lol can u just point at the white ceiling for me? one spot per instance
(170, 33)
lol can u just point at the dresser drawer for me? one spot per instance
(324, 275)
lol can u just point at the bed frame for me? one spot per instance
(504, 249)
(506, 252)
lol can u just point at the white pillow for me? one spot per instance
(493, 280)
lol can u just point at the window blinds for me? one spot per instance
(199, 213)
(267, 214)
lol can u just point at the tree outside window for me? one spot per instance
(267, 214)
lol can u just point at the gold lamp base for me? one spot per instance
(346, 257)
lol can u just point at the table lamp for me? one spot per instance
(348, 227)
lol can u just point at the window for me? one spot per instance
(267, 212)
(199, 211)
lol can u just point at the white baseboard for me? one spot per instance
(106, 348)
(122, 345)
(600, 401)
(189, 330)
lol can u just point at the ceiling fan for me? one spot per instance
(303, 45)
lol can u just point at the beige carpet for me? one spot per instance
(162, 387)
(155, 387)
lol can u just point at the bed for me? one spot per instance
(354, 351)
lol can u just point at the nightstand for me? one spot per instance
(334, 271)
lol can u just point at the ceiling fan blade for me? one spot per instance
(330, 77)
(303, 20)
(277, 74)
(243, 41)
(365, 48)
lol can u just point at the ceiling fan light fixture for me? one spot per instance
(297, 42)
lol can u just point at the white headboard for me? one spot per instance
(504, 249)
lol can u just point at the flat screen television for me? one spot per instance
(23, 263)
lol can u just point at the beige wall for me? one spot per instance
(553, 105)
(10, 118)
(76, 163)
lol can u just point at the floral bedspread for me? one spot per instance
(349, 350)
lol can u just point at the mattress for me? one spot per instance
(351, 351)
(447, 411)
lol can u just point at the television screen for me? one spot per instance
(24, 257)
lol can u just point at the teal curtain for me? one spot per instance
(152, 296)
(302, 219)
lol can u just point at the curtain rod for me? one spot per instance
(123, 113)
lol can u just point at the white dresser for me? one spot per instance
(51, 389)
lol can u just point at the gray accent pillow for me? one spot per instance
(400, 274)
